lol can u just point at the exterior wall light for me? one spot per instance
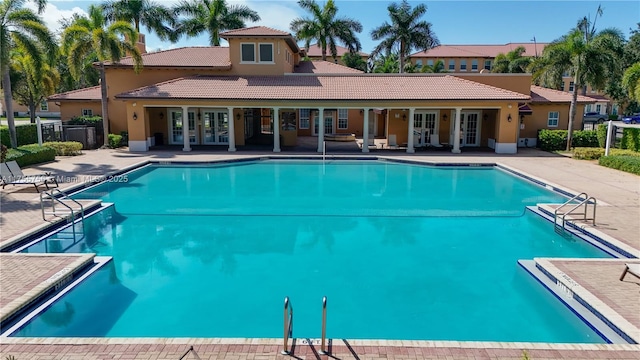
(135, 116)
(509, 118)
(444, 117)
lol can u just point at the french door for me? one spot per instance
(176, 127)
(329, 121)
(215, 127)
(425, 124)
(470, 128)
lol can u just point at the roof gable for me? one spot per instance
(540, 94)
(87, 94)
(254, 31)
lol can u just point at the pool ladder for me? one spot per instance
(288, 326)
(56, 196)
(560, 226)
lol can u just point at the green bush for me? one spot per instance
(115, 141)
(590, 153)
(630, 139)
(630, 164)
(31, 154)
(65, 148)
(26, 134)
(551, 140)
(602, 134)
(3, 152)
(86, 120)
(584, 138)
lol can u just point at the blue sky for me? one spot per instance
(454, 22)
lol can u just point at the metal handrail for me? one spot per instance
(324, 326)
(288, 325)
(51, 196)
(187, 352)
(584, 215)
(568, 202)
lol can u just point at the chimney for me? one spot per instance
(141, 45)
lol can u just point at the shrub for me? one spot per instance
(597, 153)
(551, 140)
(26, 134)
(630, 164)
(31, 154)
(65, 148)
(3, 152)
(631, 139)
(602, 134)
(86, 120)
(115, 141)
(584, 138)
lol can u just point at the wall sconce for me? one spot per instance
(161, 115)
(361, 111)
(404, 117)
(485, 117)
(237, 116)
(199, 115)
(521, 119)
(509, 118)
(444, 117)
(135, 116)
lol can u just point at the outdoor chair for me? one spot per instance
(435, 140)
(392, 142)
(632, 268)
(12, 175)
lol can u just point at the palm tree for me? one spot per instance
(587, 55)
(32, 86)
(436, 68)
(512, 62)
(92, 36)
(324, 28)
(405, 33)
(21, 27)
(386, 64)
(153, 16)
(631, 81)
(213, 16)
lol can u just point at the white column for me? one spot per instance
(365, 132)
(39, 129)
(608, 144)
(232, 130)
(456, 132)
(320, 129)
(185, 128)
(276, 130)
(410, 148)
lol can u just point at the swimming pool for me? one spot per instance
(401, 251)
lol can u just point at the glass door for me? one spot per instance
(328, 122)
(215, 127)
(222, 127)
(175, 127)
(424, 125)
(471, 130)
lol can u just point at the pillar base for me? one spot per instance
(232, 149)
(411, 151)
(276, 150)
(186, 149)
(454, 151)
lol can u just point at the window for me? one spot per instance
(588, 108)
(562, 86)
(304, 118)
(571, 85)
(87, 112)
(266, 52)
(248, 53)
(430, 63)
(474, 65)
(44, 106)
(463, 65)
(487, 64)
(452, 65)
(418, 64)
(598, 108)
(552, 120)
(343, 118)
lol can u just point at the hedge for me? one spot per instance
(65, 148)
(630, 164)
(86, 120)
(115, 141)
(585, 138)
(630, 139)
(587, 153)
(26, 134)
(552, 140)
(31, 154)
(602, 134)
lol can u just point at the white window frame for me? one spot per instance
(343, 119)
(571, 86)
(258, 52)
(452, 62)
(305, 119)
(242, 61)
(419, 63)
(588, 108)
(598, 108)
(551, 118)
(474, 64)
(562, 87)
(45, 107)
(487, 65)
(463, 65)
(87, 112)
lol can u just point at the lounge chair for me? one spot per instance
(632, 268)
(392, 142)
(435, 140)
(12, 175)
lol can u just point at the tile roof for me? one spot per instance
(324, 87)
(316, 51)
(194, 56)
(254, 31)
(485, 51)
(91, 93)
(323, 67)
(544, 95)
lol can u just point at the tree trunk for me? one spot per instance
(401, 55)
(32, 111)
(105, 111)
(572, 113)
(8, 102)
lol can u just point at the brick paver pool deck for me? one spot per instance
(619, 218)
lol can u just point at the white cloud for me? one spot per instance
(52, 15)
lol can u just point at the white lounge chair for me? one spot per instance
(435, 140)
(392, 141)
(632, 268)
(12, 175)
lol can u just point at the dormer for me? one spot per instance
(261, 50)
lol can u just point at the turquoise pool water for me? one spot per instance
(401, 252)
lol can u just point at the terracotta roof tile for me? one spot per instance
(254, 31)
(315, 51)
(91, 93)
(209, 56)
(544, 95)
(323, 67)
(485, 51)
(304, 87)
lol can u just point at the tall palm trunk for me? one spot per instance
(8, 99)
(401, 55)
(32, 111)
(105, 111)
(572, 112)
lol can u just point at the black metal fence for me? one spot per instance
(91, 137)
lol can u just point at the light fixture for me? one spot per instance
(404, 117)
(521, 119)
(135, 116)
(444, 117)
(509, 118)
(361, 111)
(237, 116)
(199, 115)
(161, 115)
(485, 117)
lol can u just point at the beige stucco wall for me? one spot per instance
(278, 67)
(69, 109)
(540, 115)
(520, 83)
(457, 60)
(53, 107)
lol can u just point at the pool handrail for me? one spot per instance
(324, 326)
(288, 325)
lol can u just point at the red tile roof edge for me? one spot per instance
(233, 32)
(118, 64)
(564, 94)
(58, 96)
